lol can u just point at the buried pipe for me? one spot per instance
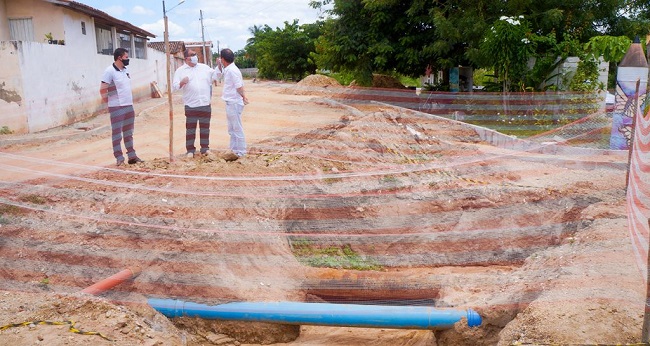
(111, 281)
(323, 314)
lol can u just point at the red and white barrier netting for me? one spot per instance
(638, 191)
(384, 206)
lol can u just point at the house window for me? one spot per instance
(140, 47)
(21, 29)
(83, 28)
(104, 40)
(124, 40)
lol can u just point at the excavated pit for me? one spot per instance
(382, 207)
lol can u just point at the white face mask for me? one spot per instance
(194, 59)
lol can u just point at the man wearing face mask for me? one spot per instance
(196, 81)
(115, 90)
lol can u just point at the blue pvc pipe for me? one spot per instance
(323, 314)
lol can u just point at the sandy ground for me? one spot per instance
(536, 244)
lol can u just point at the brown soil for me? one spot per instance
(536, 244)
(319, 80)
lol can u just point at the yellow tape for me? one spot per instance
(55, 323)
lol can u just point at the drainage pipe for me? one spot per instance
(111, 281)
(323, 314)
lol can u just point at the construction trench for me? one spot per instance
(385, 207)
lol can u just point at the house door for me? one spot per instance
(21, 29)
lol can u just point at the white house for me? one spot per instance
(53, 54)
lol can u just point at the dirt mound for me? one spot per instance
(318, 80)
(383, 81)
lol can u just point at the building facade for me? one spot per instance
(54, 53)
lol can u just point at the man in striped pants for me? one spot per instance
(196, 81)
(115, 90)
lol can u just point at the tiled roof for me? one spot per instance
(198, 44)
(174, 46)
(101, 17)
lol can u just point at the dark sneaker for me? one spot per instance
(230, 157)
(135, 160)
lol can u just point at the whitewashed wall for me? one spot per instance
(59, 84)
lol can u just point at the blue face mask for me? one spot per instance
(194, 59)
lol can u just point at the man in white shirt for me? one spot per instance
(115, 89)
(235, 97)
(196, 81)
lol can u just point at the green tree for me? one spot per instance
(508, 45)
(251, 49)
(243, 59)
(611, 48)
(284, 52)
(365, 36)
(345, 43)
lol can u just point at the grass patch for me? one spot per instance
(5, 130)
(34, 199)
(409, 81)
(389, 179)
(331, 181)
(343, 78)
(7, 209)
(343, 257)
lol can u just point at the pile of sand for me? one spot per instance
(319, 80)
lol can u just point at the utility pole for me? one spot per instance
(169, 81)
(205, 53)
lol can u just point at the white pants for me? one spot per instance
(235, 128)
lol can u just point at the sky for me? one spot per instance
(225, 23)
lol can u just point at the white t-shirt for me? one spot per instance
(198, 91)
(232, 80)
(119, 86)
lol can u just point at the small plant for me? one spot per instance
(9, 209)
(35, 199)
(389, 179)
(344, 257)
(5, 130)
(48, 37)
(331, 181)
(44, 283)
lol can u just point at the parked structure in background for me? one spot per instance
(53, 53)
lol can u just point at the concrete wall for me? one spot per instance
(568, 68)
(4, 33)
(46, 17)
(12, 103)
(44, 86)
